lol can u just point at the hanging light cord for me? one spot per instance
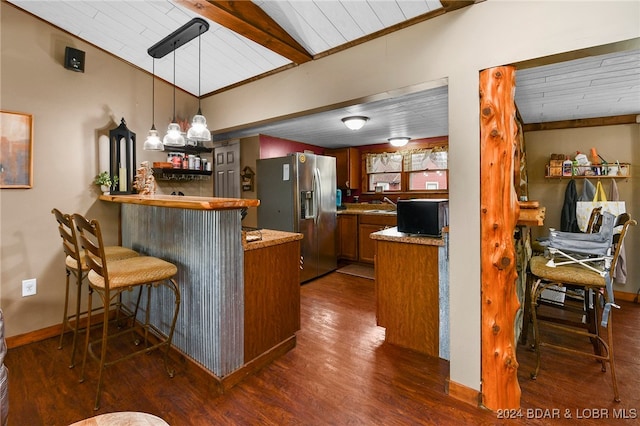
(153, 95)
(174, 81)
(199, 68)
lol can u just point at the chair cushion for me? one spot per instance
(112, 253)
(134, 271)
(568, 274)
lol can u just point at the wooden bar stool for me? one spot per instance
(109, 279)
(75, 265)
(597, 312)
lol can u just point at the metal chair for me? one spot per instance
(588, 268)
(109, 279)
(75, 265)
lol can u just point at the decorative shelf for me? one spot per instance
(588, 177)
(181, 174)
(554, 171)
(189, 149)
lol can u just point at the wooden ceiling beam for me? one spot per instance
(451, 5)
(248, 20)
(583, 122)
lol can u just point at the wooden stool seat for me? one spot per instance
(567, 274)
(134, 271)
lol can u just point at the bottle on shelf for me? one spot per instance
(567, 167)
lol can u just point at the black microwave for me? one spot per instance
(423, 216)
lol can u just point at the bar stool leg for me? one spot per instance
(173, 285)
(65, 315)
(536, 331)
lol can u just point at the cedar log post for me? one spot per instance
(499, 214)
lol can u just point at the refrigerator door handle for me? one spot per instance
(317, 191)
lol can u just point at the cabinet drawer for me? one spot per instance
(379, 219)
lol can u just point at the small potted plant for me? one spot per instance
(105, 181)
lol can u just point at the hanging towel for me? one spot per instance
(588, 191)
(620, 273)
(568, 219)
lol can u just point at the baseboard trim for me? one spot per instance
(53, 331)
(463, 393)
(219, 385)
(627, 297)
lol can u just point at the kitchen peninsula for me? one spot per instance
(240, 304)
(412, 290)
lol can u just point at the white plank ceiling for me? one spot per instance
(597, 86)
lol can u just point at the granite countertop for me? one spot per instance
(262, 238)
(182, 202)
(392, 234)
(377, 209)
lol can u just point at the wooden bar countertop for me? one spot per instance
(392, 234)
(182, 202)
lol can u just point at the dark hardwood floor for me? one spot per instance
(340, 373)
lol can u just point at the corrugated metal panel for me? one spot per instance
(443, 295)
(206, 247)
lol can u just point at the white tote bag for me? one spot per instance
(584, 208)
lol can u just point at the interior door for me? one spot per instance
(226, 160)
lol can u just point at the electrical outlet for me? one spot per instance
(28, 287)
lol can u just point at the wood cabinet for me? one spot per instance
(407, 295)
(347, 167)
(271, 297)
(369, 223)
(347, 237)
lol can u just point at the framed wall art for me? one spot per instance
(16, 150)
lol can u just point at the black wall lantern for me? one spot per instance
(122, 158)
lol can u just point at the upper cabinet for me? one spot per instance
(347, 167)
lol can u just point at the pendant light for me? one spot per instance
(153, 142)
(174, 136)
(198, 130)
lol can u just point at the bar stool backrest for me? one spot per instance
(69, 237)
(90, 238)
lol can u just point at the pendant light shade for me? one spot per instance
(174, 136)
(153, 142)
(198, 130)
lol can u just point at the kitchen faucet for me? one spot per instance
(386, 200)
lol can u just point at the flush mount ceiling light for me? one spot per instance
(153, 142)
(355, 122)
(198, 131)
(401, 141)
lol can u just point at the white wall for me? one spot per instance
(454, 46)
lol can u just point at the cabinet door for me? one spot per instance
(348, 237)
(347, 167)
(366, 246)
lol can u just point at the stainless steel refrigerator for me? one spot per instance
(297, 193)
